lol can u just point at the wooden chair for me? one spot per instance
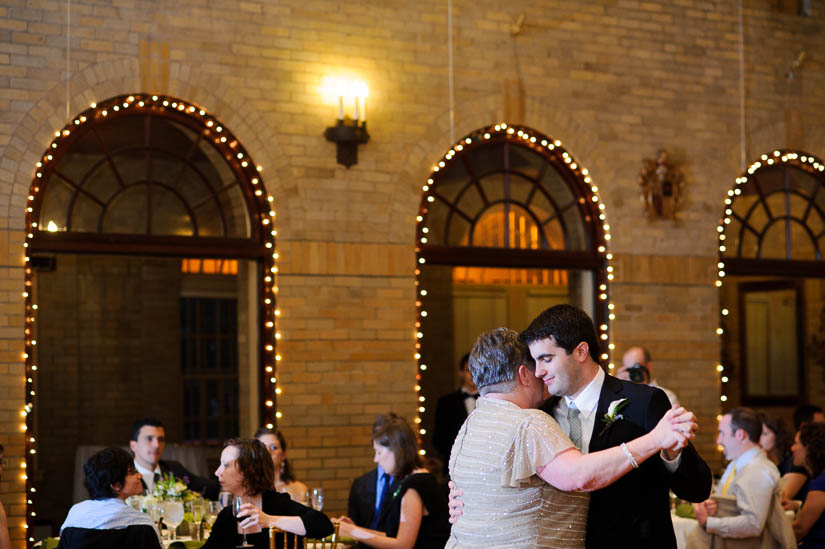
(317, 544)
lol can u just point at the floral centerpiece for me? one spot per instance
(171, 488)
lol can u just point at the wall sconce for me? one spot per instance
(348, 132)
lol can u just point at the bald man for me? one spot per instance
(637, 366)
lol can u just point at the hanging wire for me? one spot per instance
(451, 74)
(68, 53)
(742, 135)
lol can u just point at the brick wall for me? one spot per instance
(614, 80)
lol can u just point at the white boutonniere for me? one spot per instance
(613, 415)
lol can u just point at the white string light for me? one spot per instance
(546, 146)
(260, 201)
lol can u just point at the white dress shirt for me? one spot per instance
(752, 484)
(586, 400)
(148, 476)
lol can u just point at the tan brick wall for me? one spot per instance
(614, 80)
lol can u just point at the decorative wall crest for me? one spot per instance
(661, 187)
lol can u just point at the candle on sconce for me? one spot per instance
(355, 117)
(340, 107)
(364, 110)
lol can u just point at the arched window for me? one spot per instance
(509, 224)
(160, 179)
(770, 260)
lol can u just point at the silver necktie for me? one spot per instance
(575, 425)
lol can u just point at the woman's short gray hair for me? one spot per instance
(495, 359)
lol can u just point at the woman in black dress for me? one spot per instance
(246, 471)
(417, 514)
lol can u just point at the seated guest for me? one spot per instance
(148, 441)
(776, 442)
(452, 409)
(5, 541)
(368, 495)
(521, 476)
(416, 515)
(750, 477)
(284, 477)
(105, 520)
(809, 449)
(795, 479)
(246, 471)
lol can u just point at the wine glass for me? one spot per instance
(155, 512)
(236, 508)
(225, 499)
(194, 509)
(317, 498)
(172, 516)
(212, 510)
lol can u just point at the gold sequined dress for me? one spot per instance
(506, 504)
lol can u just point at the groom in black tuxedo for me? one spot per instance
(634, 511)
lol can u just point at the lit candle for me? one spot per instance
(356, 109)
(340, 107)
(364, 110)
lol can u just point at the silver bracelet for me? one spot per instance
(629, 456)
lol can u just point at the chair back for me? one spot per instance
(313, 543)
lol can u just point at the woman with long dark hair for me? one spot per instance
(809, 451)
(246, 471)
(417, 514)
(285, 480)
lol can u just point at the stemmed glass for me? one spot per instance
(212, 510)
(155, 512)
(317, 498)
(172, 516)
(236, 508)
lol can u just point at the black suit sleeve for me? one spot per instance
(443, 437)
(354, 503)
(692, 479)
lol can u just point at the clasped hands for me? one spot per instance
(704, 510)
(673, 432)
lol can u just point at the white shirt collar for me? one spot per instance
(747, 457)
(587, 399)
(148, 476)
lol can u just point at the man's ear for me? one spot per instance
(740, 434)
(582, 351)
(132, 445)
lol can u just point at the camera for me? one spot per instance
(638, 373)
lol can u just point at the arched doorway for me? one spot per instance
(771, 280)
(150, 286)
(509, 224)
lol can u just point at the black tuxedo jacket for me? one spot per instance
(210, 488)
(361, 507)
(450, 414)
(634, 511)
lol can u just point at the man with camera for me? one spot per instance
(637, 367)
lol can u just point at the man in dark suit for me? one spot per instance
(364, 507)
(451, 411)
(148, 441)
(634, 511)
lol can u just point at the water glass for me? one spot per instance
(172, 516)
(317, 498)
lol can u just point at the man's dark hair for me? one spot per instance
(397, 435)
(104, 468)
(747, 420)
(150, 421)
(287, 475)
(464, 362)
(812, 437)
(805, 414)
(567, 325)
(254, 463)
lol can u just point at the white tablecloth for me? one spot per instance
(682, 527)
